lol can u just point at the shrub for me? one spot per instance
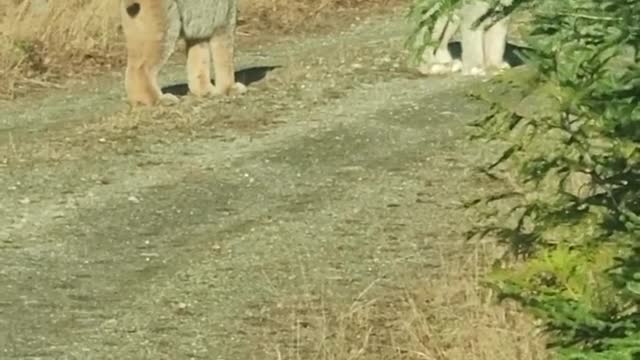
(572, 209)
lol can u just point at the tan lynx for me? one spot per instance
(151, 29)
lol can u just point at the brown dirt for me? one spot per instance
(317, 216)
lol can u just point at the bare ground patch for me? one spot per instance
(353, 132)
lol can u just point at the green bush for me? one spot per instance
(572, 161)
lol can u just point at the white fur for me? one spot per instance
(482, 48)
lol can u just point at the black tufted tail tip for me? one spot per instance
(133, 10)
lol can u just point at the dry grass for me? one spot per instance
(42, 45)
(448, 316)
(39, 45)
(291, 15)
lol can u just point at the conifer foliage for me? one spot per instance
(572, 211)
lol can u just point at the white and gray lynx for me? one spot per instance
(483, 48)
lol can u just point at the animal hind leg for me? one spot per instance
(439, 60)
(473, 39)
(222, 50)
(199, 68)
(442, 55)
(151, 29)
(495, 42)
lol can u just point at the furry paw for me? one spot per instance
(474, 71)
(435, 69)
(168, 99)
(439, 69)
(504, 65)
(424, 69)
(237, 89)
(497, 69)
(456, 66)
(206, 91)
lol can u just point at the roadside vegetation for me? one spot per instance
(569, 207)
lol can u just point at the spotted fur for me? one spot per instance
(151, 29)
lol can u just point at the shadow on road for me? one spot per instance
(512, 54)
(245, 76)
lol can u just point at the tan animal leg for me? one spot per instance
(199, 69)
(222, 49)
(151, 30)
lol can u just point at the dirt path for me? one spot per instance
(193, 231)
